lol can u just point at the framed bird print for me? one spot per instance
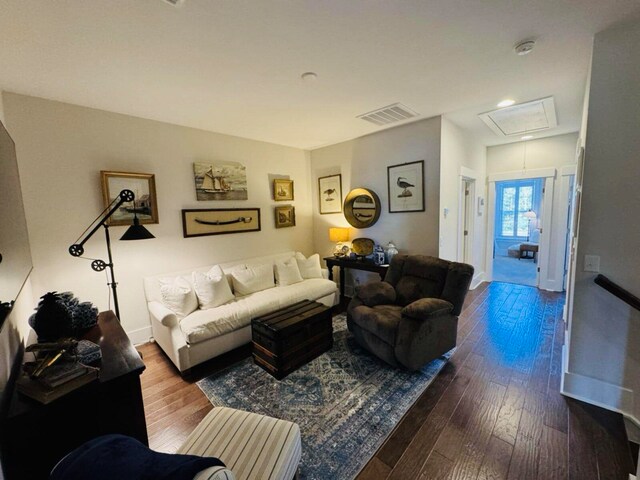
(405, 185)
(330, 194)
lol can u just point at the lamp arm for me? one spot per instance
(124, 196)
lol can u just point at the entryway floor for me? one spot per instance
(513, 270)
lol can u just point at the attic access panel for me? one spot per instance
(523, 118)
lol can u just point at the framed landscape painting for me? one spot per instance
(220, 181)
(330, 194)
(405, 185)
(282, 190)
(143, 186)
(285, 216)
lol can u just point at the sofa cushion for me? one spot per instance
(309, 267)
(287, 272)
(376, 293)
(204, 324)
(417, 276)
(253, 279)
(178, 296)
(212, 288)
(252, 446)
(382, 321)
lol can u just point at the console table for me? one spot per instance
(344, 263)
(37, 436)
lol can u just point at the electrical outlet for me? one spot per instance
(592, 263)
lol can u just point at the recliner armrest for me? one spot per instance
(376, 293)
(427, 307)
(162, 314)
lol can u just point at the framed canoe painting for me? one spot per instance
(143, 186)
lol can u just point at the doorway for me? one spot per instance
(516, 240)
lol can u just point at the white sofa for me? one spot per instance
(205, 334)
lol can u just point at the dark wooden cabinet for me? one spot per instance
(35, 436)
(288, 338)
(344, 263)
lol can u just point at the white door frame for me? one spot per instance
(468, 175)
(548, 174)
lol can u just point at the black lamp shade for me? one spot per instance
(136, 232)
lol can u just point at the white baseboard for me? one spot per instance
(477, 280)
(596, 392)
(140, 336)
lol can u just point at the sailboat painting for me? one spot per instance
(220, 181)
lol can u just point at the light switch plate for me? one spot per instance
(592, 263)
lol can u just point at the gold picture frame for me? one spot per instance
(143, 185)
(282, 190)
(199, 222)
(285, 216)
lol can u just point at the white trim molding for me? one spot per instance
(141, 335)
(522, 174)
(596, 392)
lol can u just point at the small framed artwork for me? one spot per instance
(220, 181)
(285, 216)
(199, 222)
(405, 185)
(282, 190)
(330, 194)
(143, 186)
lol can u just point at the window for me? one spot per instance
(514, 200)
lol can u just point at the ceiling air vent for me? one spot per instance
(389, 114)
(523, 118)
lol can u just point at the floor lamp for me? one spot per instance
(134, 232)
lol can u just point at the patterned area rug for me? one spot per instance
(346, 402)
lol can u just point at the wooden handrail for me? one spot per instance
(624, 295)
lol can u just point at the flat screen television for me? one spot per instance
(15, 254)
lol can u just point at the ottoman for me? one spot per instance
(252, 446)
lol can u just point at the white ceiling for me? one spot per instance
(233, 66)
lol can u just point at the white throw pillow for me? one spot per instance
(309, 267)
(253, 279)
(178, 296)
(287, 272)
(212, 288)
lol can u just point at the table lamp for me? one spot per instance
(339, 235)
(529, 215)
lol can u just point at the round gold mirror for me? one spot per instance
(362, 208)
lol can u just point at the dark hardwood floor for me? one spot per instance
(494, 412)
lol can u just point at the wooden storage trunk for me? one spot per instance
(290, 337)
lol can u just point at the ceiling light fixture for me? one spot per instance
(506, 103)
(527, 137)
(524, 47)
(309, 77)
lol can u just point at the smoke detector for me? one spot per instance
(175, 3)
(524, 47)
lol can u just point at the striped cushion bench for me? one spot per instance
(252, 446)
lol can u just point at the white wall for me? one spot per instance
(363, 162)
(557, 152)
(603, 364)
(460, 153)
(62, 148)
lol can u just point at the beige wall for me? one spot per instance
(603, 355)
(363, 162)
(62, 148)
(546, 152)
(460, 151)
(2, 109)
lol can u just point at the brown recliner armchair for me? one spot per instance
(411, 317)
